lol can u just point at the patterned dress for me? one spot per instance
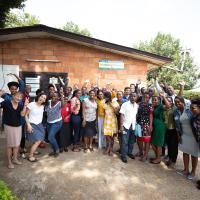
(143, 118)
(110, 120)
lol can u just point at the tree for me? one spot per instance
(20, 19)
(6, 6)
(74, 28)
(166, 45)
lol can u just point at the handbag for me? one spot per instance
(138, 130)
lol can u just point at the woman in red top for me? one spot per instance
(66, 131)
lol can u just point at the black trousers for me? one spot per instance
(23, 139)
(172, 144)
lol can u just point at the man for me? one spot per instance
(128, 113)
(127, 91)
(84, 94)
(68, 92)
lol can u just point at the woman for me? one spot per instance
(195, 108)
(76, 119)
(13, 111)
(35, 128)
(110, 122)
(120, 101)
(145, 120)
(89, 113)
(54, 121)
(158, 135)
(100, 114)
(66, 131)
(188, 144)
(171, 135)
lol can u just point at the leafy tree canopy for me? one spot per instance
(20, 19)
(74, 28)
(168, 46)
(6, 6)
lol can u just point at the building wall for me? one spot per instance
(80, 62)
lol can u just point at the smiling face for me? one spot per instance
(119, 95)
(133, 97)
(100, 95)
(92, 95)
(179, 104)
(55, 97)
(155, 101)
(13, 89)
(42, 99)
(78, 94)
(17, 97)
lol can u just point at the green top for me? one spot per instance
(169, 119)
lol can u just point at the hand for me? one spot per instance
(155, 74)
(26, 102)
(83, 123)
(138, 82)
(29, 129)
(182, 83)
(162, 94)
(1, 92)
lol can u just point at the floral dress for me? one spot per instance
(143, 118)
(110, 120)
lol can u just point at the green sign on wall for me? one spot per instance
(110, 65)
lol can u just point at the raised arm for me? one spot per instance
(181, 88)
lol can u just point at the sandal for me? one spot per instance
(76, 150)
(91, 149)
(32, 159)
(155, 162)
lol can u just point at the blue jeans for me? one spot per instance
(128, 140)
(76, 126)
(52, 129)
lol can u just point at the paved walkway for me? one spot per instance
(93, 176)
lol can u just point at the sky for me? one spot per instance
(126, 22)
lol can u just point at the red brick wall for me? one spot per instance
(78, 61)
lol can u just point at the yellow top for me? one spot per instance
(101, 111)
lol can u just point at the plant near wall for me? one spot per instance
(5, 192)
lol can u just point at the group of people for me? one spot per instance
(151, 117)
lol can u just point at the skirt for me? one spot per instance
(13, 135)
(65, 135)
(37, 133)
(90, 129)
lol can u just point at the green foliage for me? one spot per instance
(74, 28)
(5, 193)
(190, 94)
(166, 45)
(20, 19)
(6, 6)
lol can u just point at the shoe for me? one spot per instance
(190, 177)
(131, 156)
(124, 160)
(56, 154)
(23, 155)
(32, 159)
(65, 149)
(61, 150)
(181, 172)
(42, 145)
(52, 153)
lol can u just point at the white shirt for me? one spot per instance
(36, 113)
(129, 111)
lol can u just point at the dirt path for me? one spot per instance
(93, 176)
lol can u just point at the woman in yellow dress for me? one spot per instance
(110, 121)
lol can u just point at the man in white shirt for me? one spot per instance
(128, 113)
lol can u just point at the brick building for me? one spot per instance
(40, 52)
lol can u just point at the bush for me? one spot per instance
(5, 193)
(190, 94)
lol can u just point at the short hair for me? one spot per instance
(196, 101)
(127, 88)
(38, 91)
(13, 83)
(50, 85)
